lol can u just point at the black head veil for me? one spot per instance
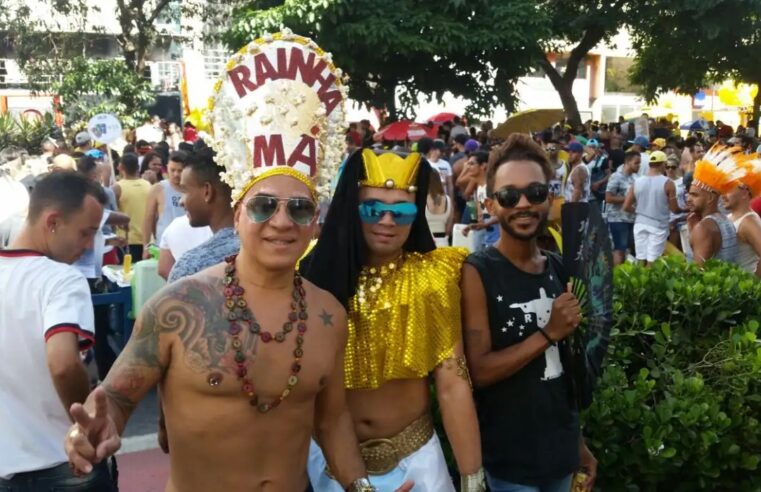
(335, 262)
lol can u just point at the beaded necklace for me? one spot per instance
(371, 279)
(239, 314)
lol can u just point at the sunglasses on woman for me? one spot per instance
(262, 208)
(372, 211)
(509, 196)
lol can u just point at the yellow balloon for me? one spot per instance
(729, 96)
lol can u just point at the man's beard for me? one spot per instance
(541, 226)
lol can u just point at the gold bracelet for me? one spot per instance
(361, 485)
(475, 482)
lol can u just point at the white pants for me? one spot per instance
(426, 467)
(649, 241)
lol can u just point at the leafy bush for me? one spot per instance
(89, 87)
(678, 406)
(27, 133)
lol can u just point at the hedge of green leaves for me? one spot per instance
(678, 406)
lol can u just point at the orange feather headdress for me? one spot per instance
(721, 168)
(752, 177)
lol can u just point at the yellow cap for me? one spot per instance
(657, 157)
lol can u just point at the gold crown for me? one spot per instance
(390, 170)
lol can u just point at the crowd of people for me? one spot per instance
(298, 336)
(641, 185)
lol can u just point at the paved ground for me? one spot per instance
(145, 471)
(143, 467)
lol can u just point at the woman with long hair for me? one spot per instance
(151, 167)
(438, 210)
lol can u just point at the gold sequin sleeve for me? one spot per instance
(406, 323)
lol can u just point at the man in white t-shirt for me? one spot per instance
(178, 238)
(46, 319)
(641, 144)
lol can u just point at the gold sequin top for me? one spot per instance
(404, 319)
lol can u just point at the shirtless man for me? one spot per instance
(243, 392)
(182, 341)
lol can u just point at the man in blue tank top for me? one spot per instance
(517, 313)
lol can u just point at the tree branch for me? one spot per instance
(552, 72)
(592, 36)
(157, 11)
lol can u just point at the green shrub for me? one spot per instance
(678, 406)
(27, 133)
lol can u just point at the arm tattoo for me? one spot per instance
(457, 363)
(327, 318)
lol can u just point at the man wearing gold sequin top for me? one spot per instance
(377, 256)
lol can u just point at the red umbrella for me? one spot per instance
(442, 117)
(406, 130)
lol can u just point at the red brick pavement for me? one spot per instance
(144, 471)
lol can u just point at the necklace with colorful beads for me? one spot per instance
(239, 314)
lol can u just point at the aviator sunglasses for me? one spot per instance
(372, 211)
(509, 196)
(262, 208)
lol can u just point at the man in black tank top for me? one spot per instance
(516, 317)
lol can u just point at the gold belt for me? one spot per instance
(383, 455)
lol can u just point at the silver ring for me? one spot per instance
(74, 433)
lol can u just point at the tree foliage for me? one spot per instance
(690, 44)
(88, 87)
(475, 49)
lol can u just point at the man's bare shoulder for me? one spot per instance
(206, 284)
(708, 226)
(330, 312)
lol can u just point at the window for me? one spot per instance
(101, 48)
(562, 60)
(168, 75)
(214, 60)
(609, 114)
(617, 75)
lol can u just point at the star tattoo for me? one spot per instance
(327, 318)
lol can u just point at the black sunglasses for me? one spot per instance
(262, 208)
(509, 196)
